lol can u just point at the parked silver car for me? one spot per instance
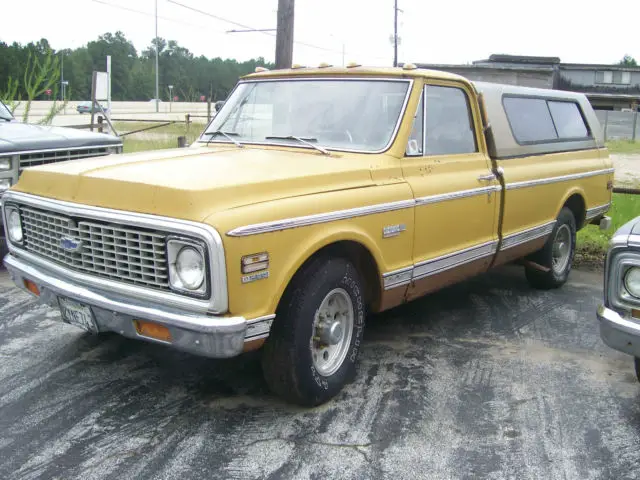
(620, 314)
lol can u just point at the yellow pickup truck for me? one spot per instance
(314, 197)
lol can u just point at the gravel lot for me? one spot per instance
(627, 168)
(487, 379)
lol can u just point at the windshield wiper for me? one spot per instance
(306, 141)
(227, 135)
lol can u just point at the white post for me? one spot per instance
(109, 86)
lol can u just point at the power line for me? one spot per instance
(261, 31)
(149, 14)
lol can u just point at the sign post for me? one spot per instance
(108, 86)
(170, 96)
(100, 91)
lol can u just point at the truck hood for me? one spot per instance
(21, 137)
(192, 183)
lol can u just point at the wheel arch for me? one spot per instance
(354, 246)
(575, 201)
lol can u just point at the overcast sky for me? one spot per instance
(431, 31)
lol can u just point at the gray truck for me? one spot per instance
(24, 145)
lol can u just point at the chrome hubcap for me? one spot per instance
(332, 331)
(561, 249)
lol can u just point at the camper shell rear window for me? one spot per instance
(536, 120)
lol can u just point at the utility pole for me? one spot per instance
(284, 34)
(395, 33)
(157, 48)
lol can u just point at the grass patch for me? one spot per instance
(157, 138)
(623, 146)
(592, 242)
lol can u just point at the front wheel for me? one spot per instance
(313, 347)
(556, 255)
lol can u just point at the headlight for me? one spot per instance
(187, 266)
(632, 281)
(5, 163)
(14, 225)
(5, 183)
(190, 268)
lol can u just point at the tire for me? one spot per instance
(558, 274)
(324, 285)
(636, 362)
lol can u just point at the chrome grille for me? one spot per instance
(43, 158)
(124, 253)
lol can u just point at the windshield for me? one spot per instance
(4, 112)
(359, 115)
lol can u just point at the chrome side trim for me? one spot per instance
(403, 276)
(218, 302)
(518, 238)
(563, 178)
(397, 278)
(595, 211)
(288, 223)
(443, 197)
(451, 260)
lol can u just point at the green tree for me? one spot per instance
(628, 61)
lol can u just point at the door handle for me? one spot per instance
(487, 178)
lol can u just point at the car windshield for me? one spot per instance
(340, 114)
(5, 113)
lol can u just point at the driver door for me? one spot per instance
(449, 171)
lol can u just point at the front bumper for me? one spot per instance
(204, 335)
(618, 333)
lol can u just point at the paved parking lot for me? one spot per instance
(487, 379)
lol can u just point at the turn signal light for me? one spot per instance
(255, 262)
(635, 313)
(32, 287)
(152, 330)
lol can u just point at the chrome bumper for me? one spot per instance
(618, 333)
(204, 335)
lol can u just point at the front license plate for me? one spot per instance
(77, 314)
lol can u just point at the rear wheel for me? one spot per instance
(556, 255)
(313, 347)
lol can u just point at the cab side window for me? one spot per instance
(448, 122)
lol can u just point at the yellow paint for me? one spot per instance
(229, 187)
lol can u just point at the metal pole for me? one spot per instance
(395, 34)
(157, 48)
(108, 112)
(635, 124)
(606, 124)
(61, 76)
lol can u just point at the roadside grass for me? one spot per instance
(592, 242)
(623, 146)
(156, 138)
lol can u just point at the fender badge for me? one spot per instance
(255, 276)
(393, 230)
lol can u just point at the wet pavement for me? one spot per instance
(488, 379)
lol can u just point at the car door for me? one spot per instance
(457, 196)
